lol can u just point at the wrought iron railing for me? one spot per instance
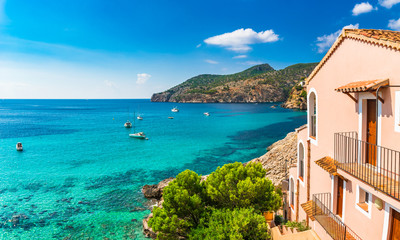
(375, 165)
(328, 220)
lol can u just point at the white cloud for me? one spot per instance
(198, 45)
(364, 7)
(240, 56)
(142, 78)
(110, 84)
(239, 40)
(394, 24)
(388, 3)
(326, 41)
(211, 61)
(252, 63)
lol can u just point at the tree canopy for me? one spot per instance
(227, 205)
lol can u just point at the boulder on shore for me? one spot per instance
(155, 190)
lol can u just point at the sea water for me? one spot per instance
(80, 174)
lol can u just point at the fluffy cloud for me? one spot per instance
(142, 78)
(326, 41)
(251, 63)
(388, 3)
(364, 7)
(240, 56)
(210, 61)
(394, 24)
(110, 84)
(239, 40)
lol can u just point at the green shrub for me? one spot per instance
(303, 94)
(226, 224)
(301, 226)
(228, 205)
(299, 87)
(278, 220)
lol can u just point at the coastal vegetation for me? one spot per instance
(260, 83)
(300, 226)
(228, 204)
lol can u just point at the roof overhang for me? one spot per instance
(363, 86)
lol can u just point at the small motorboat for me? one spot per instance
(175, 109)
(128, 124)
(19, 147)
(139, 135)
(206, 114)
(170, 117)
(139, 118)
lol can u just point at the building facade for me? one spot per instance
(346, 183)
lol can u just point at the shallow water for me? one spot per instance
(80, 175)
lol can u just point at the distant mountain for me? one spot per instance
(260, 83)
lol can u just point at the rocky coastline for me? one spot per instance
(279, 155)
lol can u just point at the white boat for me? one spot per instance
(207, 113)
(128, 124)
(138, 135)
(139, 118)
(175, 109)
(170, 117)
(19, 147)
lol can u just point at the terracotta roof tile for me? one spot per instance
(307, 207)
(362, 86)
(328, 164)
(386, 38)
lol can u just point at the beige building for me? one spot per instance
(346, 183)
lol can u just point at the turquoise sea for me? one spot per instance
(80, 175)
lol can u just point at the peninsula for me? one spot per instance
(260, 83)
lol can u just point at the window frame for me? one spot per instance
(313, 139)
(364, 207)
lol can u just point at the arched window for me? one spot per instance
(291, 192)
(301, 161)
(312, 114)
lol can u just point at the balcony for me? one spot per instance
(329, 221)
(375, 165)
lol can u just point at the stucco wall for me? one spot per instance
(352, 61)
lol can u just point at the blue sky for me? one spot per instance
(130, 49)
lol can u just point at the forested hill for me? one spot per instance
(260, 83)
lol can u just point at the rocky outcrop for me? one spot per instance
(297, 98)
(280, 154)
(246, 91)
(260, 83)
(155, 190)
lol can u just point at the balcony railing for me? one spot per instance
(328, 220)
(375, 165)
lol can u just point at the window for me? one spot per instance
(397, 112)
(301, 161)
(291, 193)
(312, 113)
(364, 201)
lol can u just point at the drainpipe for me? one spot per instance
(377, 105)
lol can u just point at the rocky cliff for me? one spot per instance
(260, 83)
(279, 155)
(297, 98)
